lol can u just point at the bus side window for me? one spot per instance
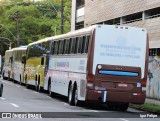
(73, 45)
(80, 41)
(158, 51)
(83, 44)
(53, 48)
(60, 46)
(76, 45)
(67, 46)
(87, 43)
(63, 48)
(56, 47)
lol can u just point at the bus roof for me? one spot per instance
(73, 33)
(42, 40)
(17, 48)
(20, 48)
(9, 50)
(76, 32)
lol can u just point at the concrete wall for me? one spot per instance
(102, 10)
(153, 29)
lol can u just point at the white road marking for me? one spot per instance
(18, 86)
(2, 98)
(123, 119)
(25, 89)
(15, 105)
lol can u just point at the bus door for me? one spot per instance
(10, 72)
(45, 63)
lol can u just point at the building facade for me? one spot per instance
(135, 13)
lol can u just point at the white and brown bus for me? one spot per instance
(104, 63)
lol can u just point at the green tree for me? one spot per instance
(36, 20)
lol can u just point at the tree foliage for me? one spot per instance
(35, 20)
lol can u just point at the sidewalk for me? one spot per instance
(153, 101)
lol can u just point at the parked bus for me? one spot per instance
(7, 64)
(17, 69)
(36, 63)
(104, 63)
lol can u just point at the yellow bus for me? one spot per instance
(7, 64)
(17, 69)
(36, 63)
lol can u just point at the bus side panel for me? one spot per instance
(31, 69)
(62, 71)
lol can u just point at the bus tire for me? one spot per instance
(51, 94)
(123, 107)
(70, 95)
(14, 81)
(39, 85)
(118, 106)
(5, 78)
(75, 97)
(20, 81)
(1, 90)
(27, 86)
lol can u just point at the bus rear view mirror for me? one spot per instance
(11, 59)
(42, 61)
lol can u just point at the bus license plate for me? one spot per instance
(122, 85)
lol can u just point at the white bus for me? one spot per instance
(17, 69)
(7, 65)
(104, 63)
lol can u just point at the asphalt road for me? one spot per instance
(19, 102)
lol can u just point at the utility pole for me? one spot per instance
(17, 28)
(62, 17)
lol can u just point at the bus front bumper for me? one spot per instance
(112, 96)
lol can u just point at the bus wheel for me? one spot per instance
(1, 90)
(5, 78)
(20, 81)
(49, 90)
(118, 106)
(123, 107)
(27, 86)
(70, 95)
(75, 97)
(39, 86)
(36, 86)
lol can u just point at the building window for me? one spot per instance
(152, 13)
(132, 18)
(80, 3)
